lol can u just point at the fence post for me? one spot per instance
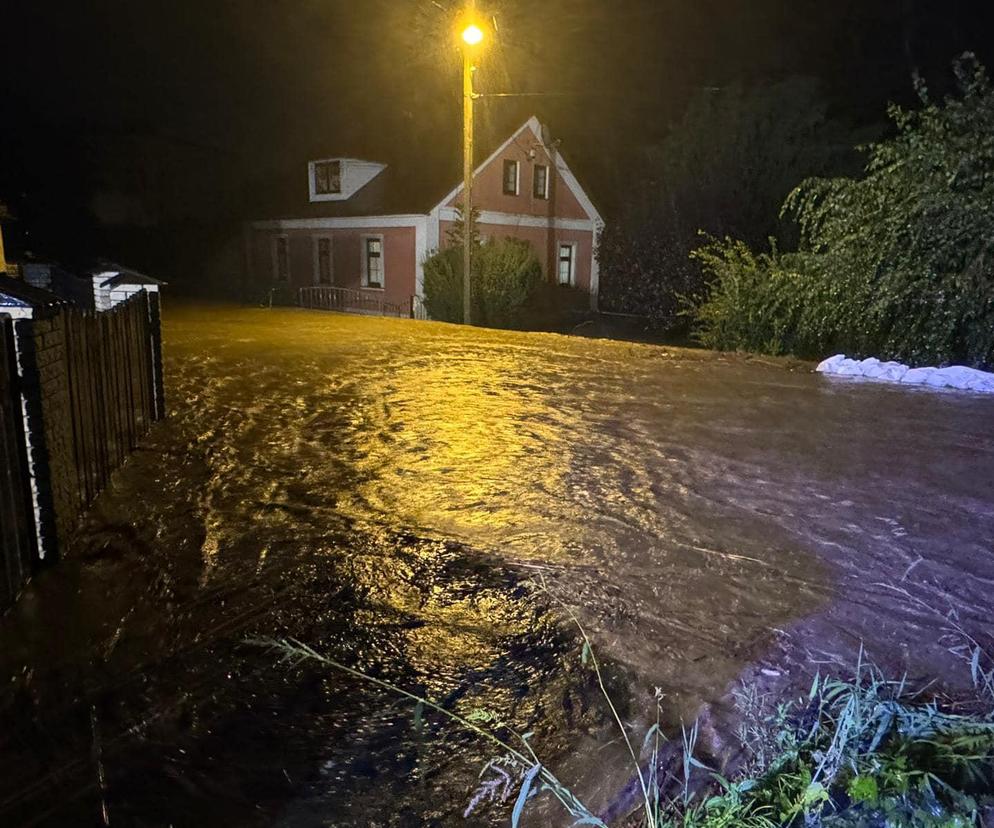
(158, 385)
(17, 537)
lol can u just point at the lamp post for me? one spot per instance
(3, 215)
(472, 35)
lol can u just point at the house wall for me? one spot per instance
(104, 298)
(400, 258)
(488, 185)
(545, 243)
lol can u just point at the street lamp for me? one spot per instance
(472, 37)
(472, 34)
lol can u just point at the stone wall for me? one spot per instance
(43, 369)
(89, 386)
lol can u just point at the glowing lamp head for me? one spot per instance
(472, 34)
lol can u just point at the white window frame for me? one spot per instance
(572, 262)
(363, 252)
(545, 193)
(517, 176)
(312, 180)
(276, 259)
(317, 258)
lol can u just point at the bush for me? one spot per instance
(505, 275)
(766, 302)
(897, 264)
(443, 285)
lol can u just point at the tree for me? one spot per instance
(725, 168)
(897, 263)
(455, 234)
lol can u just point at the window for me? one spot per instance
(567, 263)
(372, 261)
(323, 263)
(510, 177)
(281, 259)
(327, 177)
(540, 181)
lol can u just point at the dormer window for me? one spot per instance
(338, 179)
(510, 177)
(327, 177)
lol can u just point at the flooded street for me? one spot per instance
(388, 492)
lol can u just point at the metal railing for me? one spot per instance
(352, 300)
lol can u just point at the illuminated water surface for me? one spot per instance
(386, 490)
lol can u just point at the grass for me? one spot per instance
(859, 750)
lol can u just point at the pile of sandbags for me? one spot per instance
(955, 376)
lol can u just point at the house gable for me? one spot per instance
(565, 198)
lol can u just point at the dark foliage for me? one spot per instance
(725, 168)
(898, 263)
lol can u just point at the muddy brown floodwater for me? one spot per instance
(388, 491)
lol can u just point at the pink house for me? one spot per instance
(367, 228)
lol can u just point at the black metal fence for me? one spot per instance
(87, 387)
(351, 300)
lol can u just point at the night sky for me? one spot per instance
(266, 82)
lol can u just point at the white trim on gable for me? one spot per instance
(595, 267)
(422, 231)
(570, 180)
(519, 219)
(342, 222)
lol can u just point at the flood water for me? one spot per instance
(391, 492)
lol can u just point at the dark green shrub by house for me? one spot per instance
(898, 263)
(443, 285)
(504, 276)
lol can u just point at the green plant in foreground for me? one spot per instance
(861, 751)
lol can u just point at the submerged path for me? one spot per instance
(385, 489)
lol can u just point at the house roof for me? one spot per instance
(17, 293)
(118, 275)
(412, 184)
